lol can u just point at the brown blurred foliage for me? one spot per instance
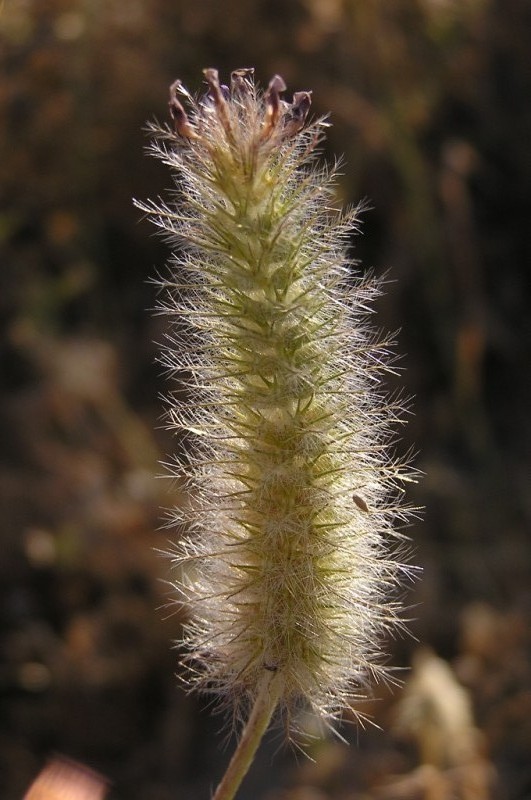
(430, 105)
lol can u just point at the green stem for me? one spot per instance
(257, 724)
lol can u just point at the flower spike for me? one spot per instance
(287, 557)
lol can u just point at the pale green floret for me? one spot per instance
(284, 571)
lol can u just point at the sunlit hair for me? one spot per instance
(287, 558)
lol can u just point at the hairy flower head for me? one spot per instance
(286, 559)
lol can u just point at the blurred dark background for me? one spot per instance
(430, 102)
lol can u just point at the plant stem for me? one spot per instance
(264, 706)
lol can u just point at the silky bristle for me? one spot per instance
(288, 561)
